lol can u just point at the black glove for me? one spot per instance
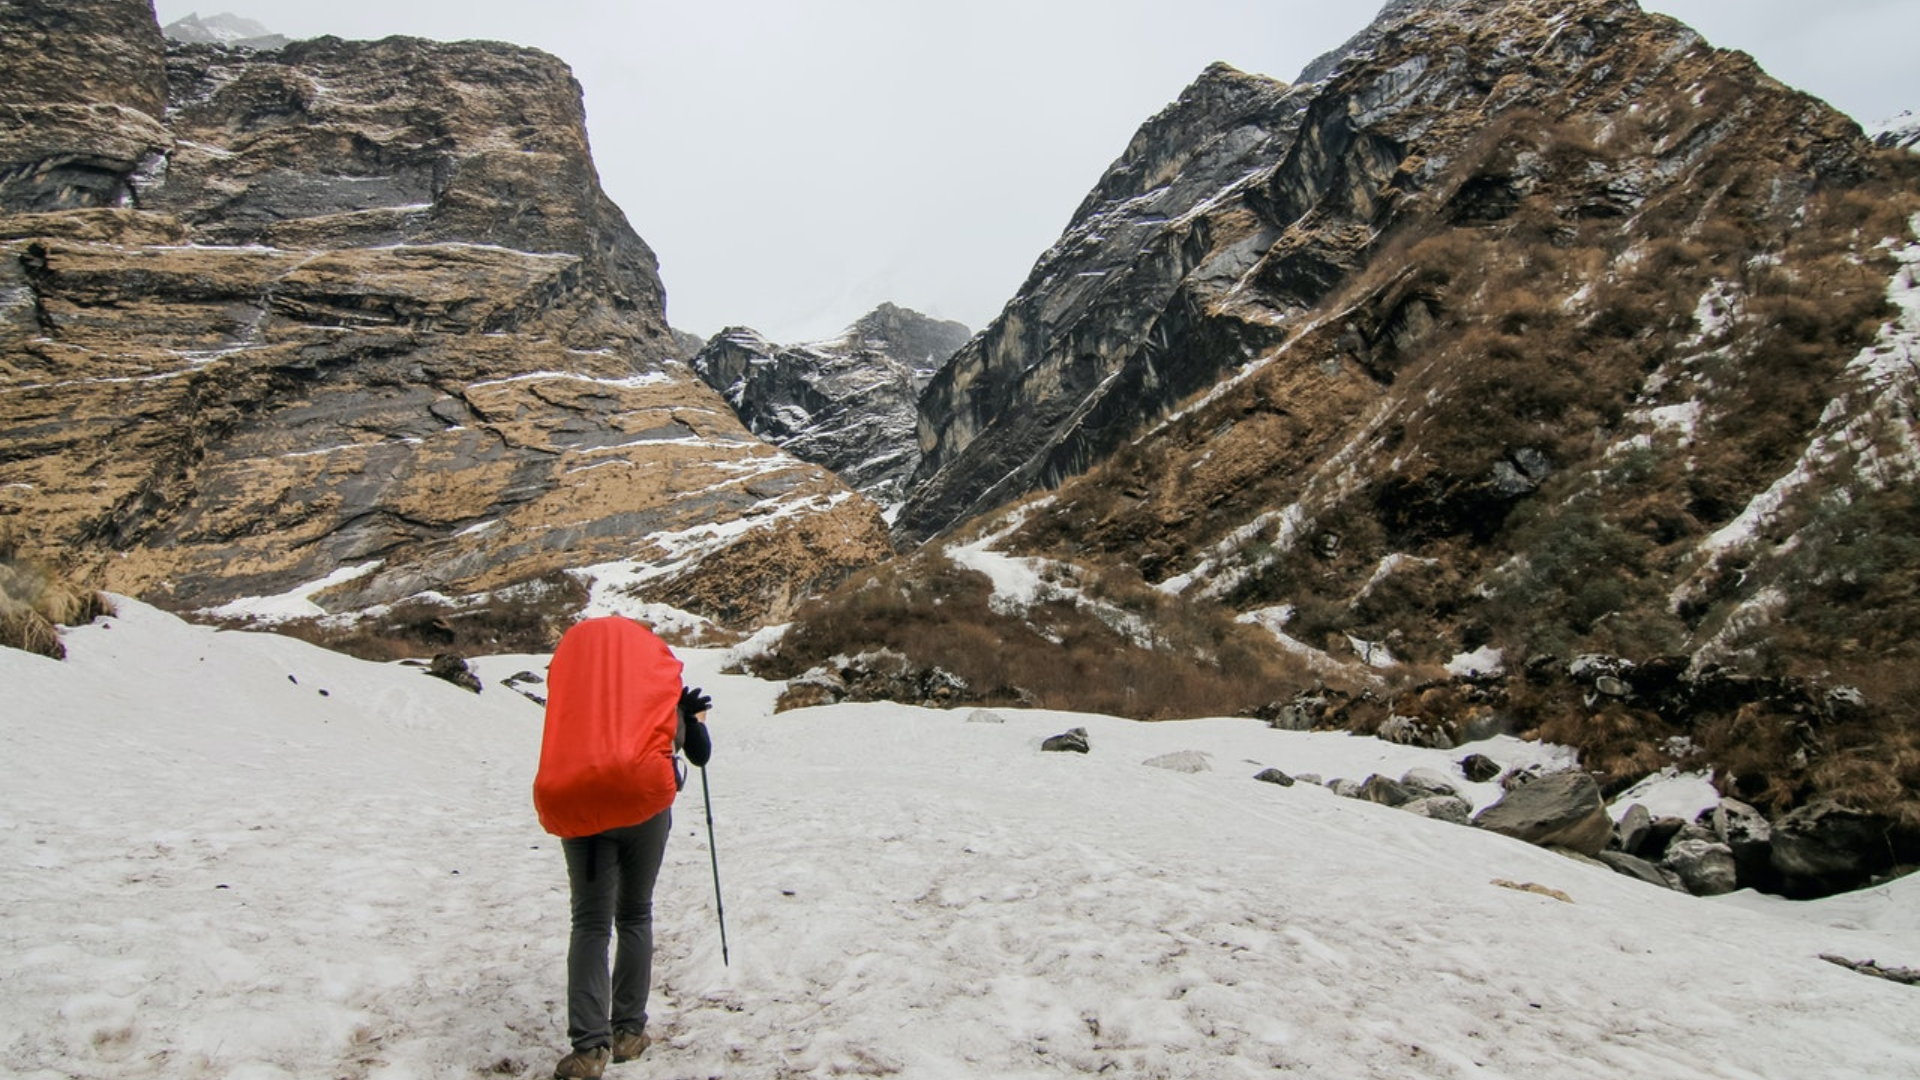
(696, 743)
(693, 702)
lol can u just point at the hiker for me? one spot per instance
(617, 713)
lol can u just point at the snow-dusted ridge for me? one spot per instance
(291, 863)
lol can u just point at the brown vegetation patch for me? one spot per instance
(1059, 654)
(35, 601)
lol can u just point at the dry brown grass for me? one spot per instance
(36, 600)
(528, 618)
(1058, 655)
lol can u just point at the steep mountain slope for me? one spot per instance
(1237, 213)
(848, 404)
(269, 316)
(1514, 332)
(1088, 346)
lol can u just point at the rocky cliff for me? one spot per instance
(848, 404)
(1094, 340)
(355, 321)
(1513, 332)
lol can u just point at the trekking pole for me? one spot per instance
(719, 909)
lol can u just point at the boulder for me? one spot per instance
(1706, 867)
(1631, 830)
(1750, 836)
(1431, 781)
(1377, 788)
(1824, 848)
(1479, 768)
(1273, 776)
(1449, 808)
(1558, 810)
(1639, 869)
(454, 670)
(1072, 741)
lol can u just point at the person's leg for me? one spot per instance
(642, 847)
(593, 875)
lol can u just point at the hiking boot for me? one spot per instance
(628, 1045)
(582, 1065)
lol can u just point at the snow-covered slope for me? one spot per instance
(234, 855)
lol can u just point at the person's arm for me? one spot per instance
(697, 744)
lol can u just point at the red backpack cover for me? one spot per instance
(606, 756)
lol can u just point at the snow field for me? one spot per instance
(207, 869)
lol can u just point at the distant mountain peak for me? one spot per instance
(1900, 132)
(226, 28)
(847, 403)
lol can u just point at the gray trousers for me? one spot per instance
(611, 875)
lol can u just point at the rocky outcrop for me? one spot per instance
(1094, 341)
(82, 104)
(355, 322)
(847, 404)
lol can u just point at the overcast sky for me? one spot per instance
(796, 162)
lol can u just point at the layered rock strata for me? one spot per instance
(355, 321)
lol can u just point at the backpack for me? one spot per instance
(607, 751)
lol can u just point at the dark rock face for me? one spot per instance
(356, 306)
(1096, 340)
(83, 99)
(847, 404)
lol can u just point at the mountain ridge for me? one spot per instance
(281, 313)
(847, 403)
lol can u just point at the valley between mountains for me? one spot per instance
(1527, 371)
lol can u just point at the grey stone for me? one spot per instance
(1274, 776)
(1705, 866)
(454, 670)
(1630, 832)
(1640, 869)
(1479, 768)
(1387, 792)
(1558, 810)
(1431, 781)
(1071, 741)
(1448, 808)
